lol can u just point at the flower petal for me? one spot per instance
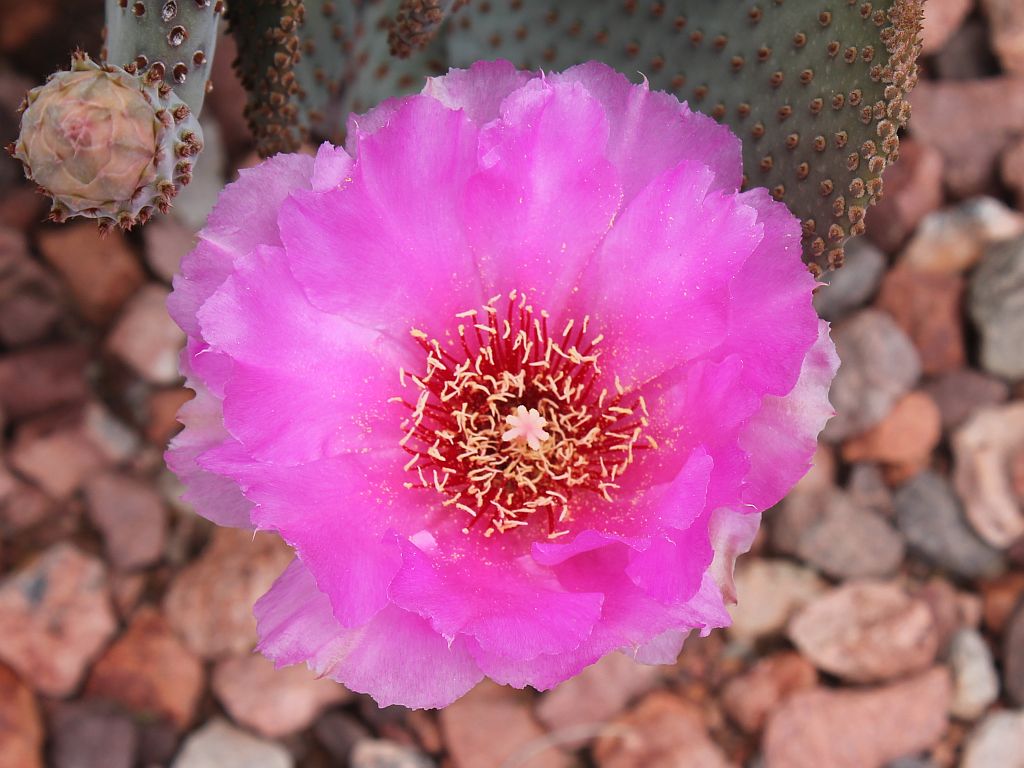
(479, 90)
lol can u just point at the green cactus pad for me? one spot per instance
(173, 38)
(814, 89)
(107, 144)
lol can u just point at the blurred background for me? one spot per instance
(880, 623)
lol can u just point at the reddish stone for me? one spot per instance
(164, 405)
(149, 671)
(928, 307)
(913, 189)
(941, 20)
(55, 617)
(1011, 168)
(21, 505)
(39, 379)
(999, 597)
(273, 702)
(21, 730)
(953, 240)
(131, 517)
(906, 437)
(55, 454)
(859, 729)
(100, 270)
(210, 602)
(970, 122)
(663, 731)
(29, 296)
(490, 725)
(93, 734)
(751, 698)
(146, 339)
(1006, 28)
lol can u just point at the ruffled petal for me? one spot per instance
(479, 90)
(396, 657)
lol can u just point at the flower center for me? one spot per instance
(511, 420)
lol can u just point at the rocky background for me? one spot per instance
(881, 617)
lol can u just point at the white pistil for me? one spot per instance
(526, 426)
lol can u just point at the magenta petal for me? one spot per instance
(478, 90)
(676, 303)
(396, 657)
(331, 167)
(546, 194)
(388, 250)
(651, 132)
(502, 617)
(303, 384)
(671, 568)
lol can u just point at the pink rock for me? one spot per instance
(859, 729)
(953, 240)
(1011, 168)
(149, 671)
(21, 730)
(663, 731)
(38, 379)
(970, 122)
(29, 296)
(1006, 28)
(913, 189)
(769, 593)
(273, 702)
(959, 394)
(752, 697)
(210, 602)
(597, 694)
(492, 726)
(146, 339)
(906, 436)
(130, 515)
(941, 19)
(55, 454)
(100, 270)
(866, 632)
(55, 616)
(21, 505)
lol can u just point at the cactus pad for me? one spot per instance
(107, 144)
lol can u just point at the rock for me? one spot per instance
(100, 270)
(769, 593)
(663, 731)
(162, 422)
(852, 286)
(1013, 656)
(21, 731)
(969, 122)
(975, 682)
(21, 505)
(960, 393)
(210, 602)
(999, 597)
(130, 515)
(913, 189)
(167, 242)
(996, 303)
(39, 379)
(1011, 168)
(998, 741)
(491, 725)
(927, 306)
(751, 698)
(866, 487)
(951, 610)
(150, 672)
(597, 694)
(880, 365)
(844, 540)
(54, 453)
(339, 732)
(115, 440)
(941, 20)
(967, 55)
(146, 339)
(219, 745)
(866, 632)
(905, 437)
(858, 729)
(1006, 24)
(953, 240)
(982, 449)
(92, 735)
(29, 296)
(273, 702)
(932, 521)
(55, 616)
(378, 753)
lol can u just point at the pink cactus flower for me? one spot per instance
(514, 375)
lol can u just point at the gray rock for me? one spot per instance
(933, 523)
(377, 753)
(853, 285)
(975, 681)
(1013, 656)
(998, 741)
(960, 393)
(879, 365)
(996, 303)
(219, 745)
(90, 734)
